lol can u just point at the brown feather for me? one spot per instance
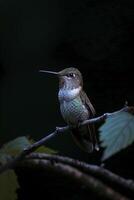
(91, 128)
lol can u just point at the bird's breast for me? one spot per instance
(73, 111)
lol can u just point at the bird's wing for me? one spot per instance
(87, 103)
(92, 113)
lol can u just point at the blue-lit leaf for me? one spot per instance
(116, 133)
(14, 147)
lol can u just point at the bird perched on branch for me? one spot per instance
(76, 107)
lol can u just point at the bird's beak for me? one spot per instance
(49, 72)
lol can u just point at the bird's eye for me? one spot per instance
(71, 75)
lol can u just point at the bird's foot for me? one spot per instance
(97, 148)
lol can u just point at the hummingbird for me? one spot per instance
(76, 107)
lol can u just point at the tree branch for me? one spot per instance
(94, 170)
(62, 167)
(59, 130)
(97, 187)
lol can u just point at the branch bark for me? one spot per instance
(99, 172)
(93, 184)
(68, 166)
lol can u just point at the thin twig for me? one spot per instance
(94, 170)
(97, 187)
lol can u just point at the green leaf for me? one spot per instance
(44, 149)
(4, 158)
(8, 185)
(15, 146)
(116, 133)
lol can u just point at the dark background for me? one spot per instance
(94, 36)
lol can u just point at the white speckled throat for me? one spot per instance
(68, 94)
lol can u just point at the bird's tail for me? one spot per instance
(85, 138)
